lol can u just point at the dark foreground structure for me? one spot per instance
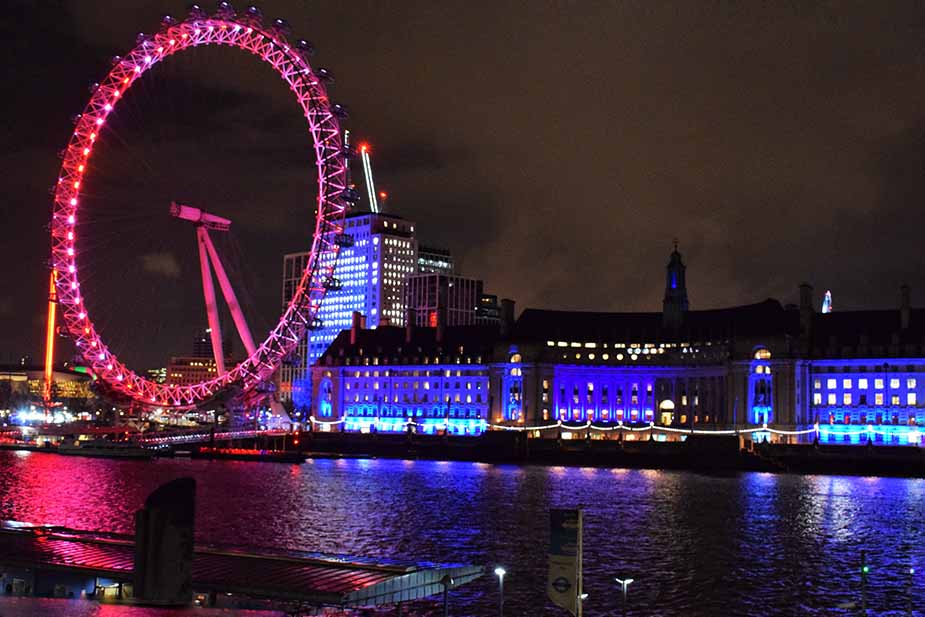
(162, 566)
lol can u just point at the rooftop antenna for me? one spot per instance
(368, 173)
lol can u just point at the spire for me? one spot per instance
(674, 304)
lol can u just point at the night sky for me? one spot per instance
(555, 148)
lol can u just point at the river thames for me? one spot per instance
(746, 544)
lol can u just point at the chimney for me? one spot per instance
(507, 316)
(409, 324)
(359, 323)
(806, 308)
(905, 306)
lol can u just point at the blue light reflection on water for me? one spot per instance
(695, 544)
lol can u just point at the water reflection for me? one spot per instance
(696, 545)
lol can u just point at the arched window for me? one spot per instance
(762, 353)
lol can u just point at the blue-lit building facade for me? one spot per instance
(842, 377)
(384, 380)
(866, 378)
(369, 279)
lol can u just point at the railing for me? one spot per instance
(618, 427)
(204, 436)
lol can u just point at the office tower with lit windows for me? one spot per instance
(370, 279)
(456, 297)
(434, 260)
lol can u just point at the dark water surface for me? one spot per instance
(748, 544)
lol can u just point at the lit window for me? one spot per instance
(910, 383)
(831, 384)
(894, 382)
(817, 383)
(846, 399)
(878, 383)
(910, 398)
(878, 398)
(846, 384)
(831, 398)
(817, 398)
(762, 354)
(894, 400)
(862, 384)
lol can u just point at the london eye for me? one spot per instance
(268, 41)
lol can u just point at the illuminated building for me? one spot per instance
(293, 383)
(22, 386)
(456, 297)
(157, 375)
(841, 377)
(186, 370)
(370, 279)
(194, 368)
(866, 376)
(380, 380)
(431, 260)
(487, 310)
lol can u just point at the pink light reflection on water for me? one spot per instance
(48, 607)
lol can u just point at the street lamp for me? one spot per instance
(624, 583)
(500, 572)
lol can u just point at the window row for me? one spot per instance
(863, 383)
(847, 398)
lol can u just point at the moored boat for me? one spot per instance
(104, 448)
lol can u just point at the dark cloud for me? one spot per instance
(161, 264)
(556, 148)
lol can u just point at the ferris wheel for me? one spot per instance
(271, 44)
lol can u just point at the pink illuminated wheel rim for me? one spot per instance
(270, 44)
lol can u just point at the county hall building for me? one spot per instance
(841, 377)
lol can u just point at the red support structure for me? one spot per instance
(230, 299)
(215, 328)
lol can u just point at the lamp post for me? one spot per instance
(624, 583)
(447, 582)
(500, 572)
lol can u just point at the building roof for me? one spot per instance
(358, 213)
(391, 341)
(875, 327)
(290, 575)
(767, 318)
